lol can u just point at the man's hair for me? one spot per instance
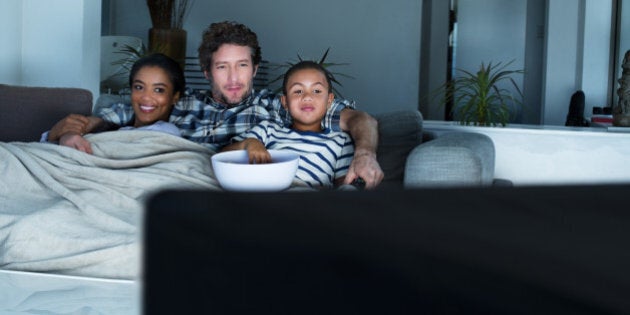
(226, 32)
(306, 64)
(170, 66)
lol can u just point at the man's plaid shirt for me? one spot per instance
(201, 119)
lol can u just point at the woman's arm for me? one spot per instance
(77, 124)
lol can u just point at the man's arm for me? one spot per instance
(364, 131)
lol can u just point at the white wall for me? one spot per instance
(596, 57)
(531, 155)
(480, 39)
(380, 39)
(577, 56)
(561, 59)
(54, 43)
(10, 50)
(491, 31)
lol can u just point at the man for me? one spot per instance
(229, 55)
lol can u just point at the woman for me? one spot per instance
(157, 82)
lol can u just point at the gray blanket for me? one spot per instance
(64, 211)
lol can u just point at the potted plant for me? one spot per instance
(118, 82)
(322, 61)
(479, 99)
(167, 35)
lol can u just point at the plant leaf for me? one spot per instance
(479, 98)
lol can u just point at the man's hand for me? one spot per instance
(363, 129)
(76, 141)
(365, 166)
(74, 124)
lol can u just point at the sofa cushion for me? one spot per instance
(452, 159)
(399, 133)
(26, 112)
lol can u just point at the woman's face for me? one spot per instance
(152, 96)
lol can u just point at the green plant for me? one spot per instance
(322, 61)
(129, 56)
(478, 99)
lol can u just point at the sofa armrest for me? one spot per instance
(453, 159)
(26, 112)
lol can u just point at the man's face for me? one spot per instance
(231, 73)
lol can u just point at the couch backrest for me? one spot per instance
(399, 133)
(26, 112)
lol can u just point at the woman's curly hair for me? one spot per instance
(226, 32)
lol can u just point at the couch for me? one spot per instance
(67, 212)
(551, 246)
(408, 157)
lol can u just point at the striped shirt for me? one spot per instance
(202, 119)
(324, 156)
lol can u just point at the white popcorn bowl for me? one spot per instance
(234, 173)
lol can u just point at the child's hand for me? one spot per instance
(257, 152)
(76, 141)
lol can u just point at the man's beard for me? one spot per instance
(220, 97)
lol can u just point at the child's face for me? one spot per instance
(152, 96)
(307, 99)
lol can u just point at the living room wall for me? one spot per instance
(52, 43)
(577, 56)
(567, 48)
(379, 39)
(10, 55)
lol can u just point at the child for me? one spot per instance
(324, 155)
(156, 82)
